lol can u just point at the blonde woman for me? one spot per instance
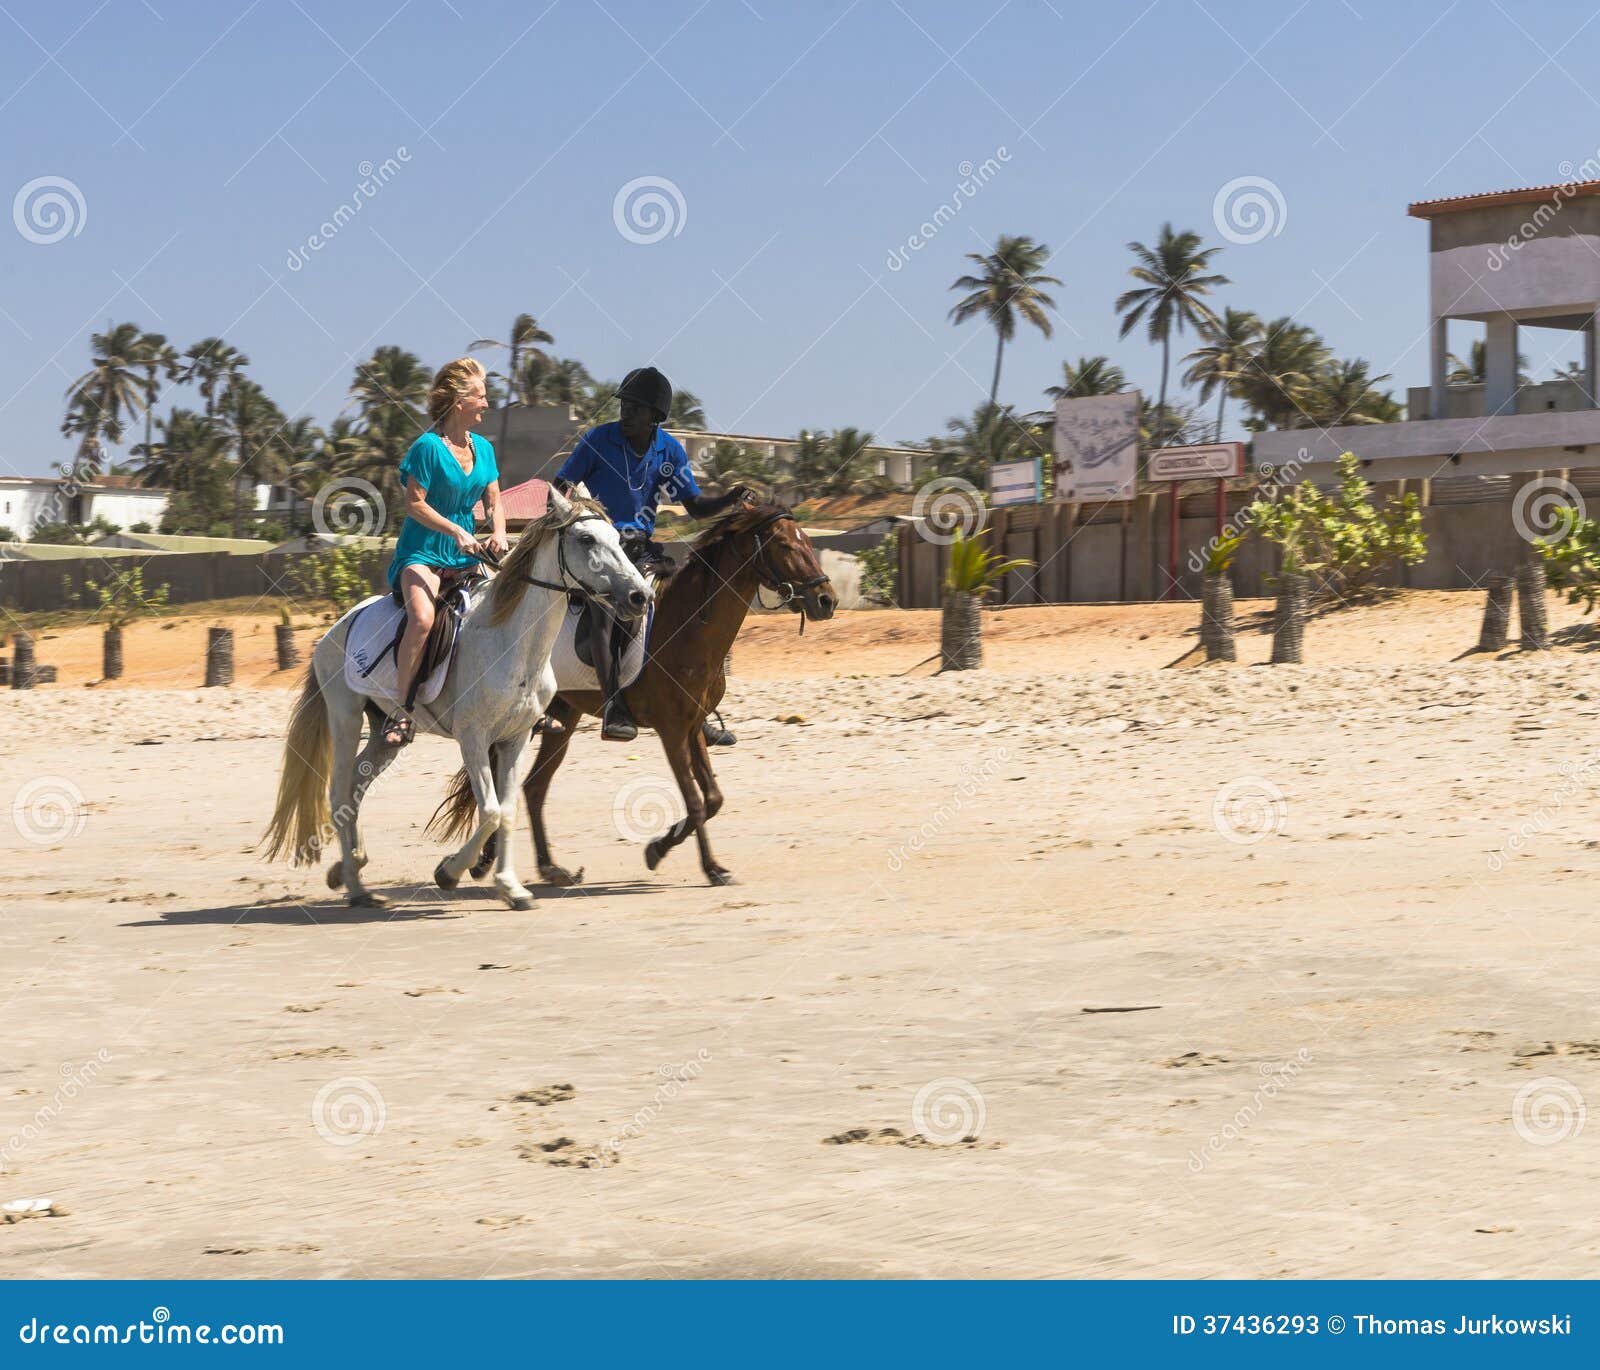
(446, 472)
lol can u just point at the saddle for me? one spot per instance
(373, 642)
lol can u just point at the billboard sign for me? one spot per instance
(1097, 447)
(1209, 461)
(1014, 482)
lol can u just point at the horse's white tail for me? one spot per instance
(300, 822)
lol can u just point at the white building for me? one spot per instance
(28, 501)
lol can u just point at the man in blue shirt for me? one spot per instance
(628, 466)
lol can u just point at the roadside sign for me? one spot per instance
(1015, 482)
(1209, 461)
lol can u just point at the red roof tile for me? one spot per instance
(523, 503)
(1426, 209)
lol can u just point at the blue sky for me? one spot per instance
(807, 142)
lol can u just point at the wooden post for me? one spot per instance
(1288, 631)
(219, 656)
(1170, 591)
(22, 662)
(1531, 607)
(288, 655)
(111, 653)
(1216, 618)
(1496, 614)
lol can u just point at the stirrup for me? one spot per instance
(401, 723)
(616, 723)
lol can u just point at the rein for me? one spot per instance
(570, 585)
(768, 579)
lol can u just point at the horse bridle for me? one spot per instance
(768, 578)
(570, 585)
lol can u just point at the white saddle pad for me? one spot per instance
(570, 671)
(374, 623)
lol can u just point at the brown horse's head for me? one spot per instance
(766, 538)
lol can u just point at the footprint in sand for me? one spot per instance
(892, 1136)
(545, 1095)
(1194, 1058)
(563, 1151)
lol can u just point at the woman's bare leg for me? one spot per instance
(419, 585)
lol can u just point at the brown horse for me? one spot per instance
(698, 614)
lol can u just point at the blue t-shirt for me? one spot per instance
(451, 492)
(630, 486)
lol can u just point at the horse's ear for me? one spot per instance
(558, 504)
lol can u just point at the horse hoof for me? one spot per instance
(718, 876)
(653, 853)
(521, 902)
(336, 875)
(482, 868)
(443, 879)
(366, 900)
(560, 875)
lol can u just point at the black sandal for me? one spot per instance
(401, 726)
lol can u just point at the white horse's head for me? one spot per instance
(590, 559)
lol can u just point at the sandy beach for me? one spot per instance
(1074, 966)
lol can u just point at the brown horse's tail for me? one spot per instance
(457, 811)
(300, 820)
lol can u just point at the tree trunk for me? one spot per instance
(994, 385)
(288, 657)
(1161, 404)
(111, 653)
(22, 662)
(960, 632)
(219, 656)
(1531, 607)
(1216, 618)
(1222, 400)
(1496, 614)
(1289, 623)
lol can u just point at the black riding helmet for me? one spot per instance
(647, 386)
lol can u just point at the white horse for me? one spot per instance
(497, 688)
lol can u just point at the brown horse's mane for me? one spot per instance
(737, 520)
(509, 586)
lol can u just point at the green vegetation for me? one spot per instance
(1571, 556)
(974, 569)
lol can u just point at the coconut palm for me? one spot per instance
(254, 421)
(727, 463)
(991, 433)
(1217, 363)
(1279, 371)
(1006, 286)
(1169, 425)
(526, 335)
(390, 389)
(1171, 294)
(558, 380)
(108, 392)
(687, 411)
(1475, 370)
(1342, 392)
(160, 361)
(210, 365)
(1091, 376)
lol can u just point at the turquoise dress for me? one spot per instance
(451, 492)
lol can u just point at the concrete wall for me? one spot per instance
(1475, 271)
(1468, 401)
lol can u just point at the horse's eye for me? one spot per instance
(586, 539)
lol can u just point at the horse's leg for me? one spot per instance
(553, 744)
(678, 757)
(344, 799)
(700, 764)
(475, 756)
(507, 760)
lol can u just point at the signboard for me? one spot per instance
(1097, 447)
(1014, 482)
(1210, 461)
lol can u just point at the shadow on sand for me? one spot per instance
(407, 904)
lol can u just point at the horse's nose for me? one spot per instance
(826, 605)
(637, 599)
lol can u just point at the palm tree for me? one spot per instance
(1218, 362)
(1172, 291)
(191, 460)
(1091, 376)
(391, 385)
(1007, 285)
(1475, 370)
(255, 422)
(1167, 425)
(526, 335)
(1342, 392)
(687, 411)
(991, 433)
(1279, 371)
(110, 389)
(211, 367)
(159, 359)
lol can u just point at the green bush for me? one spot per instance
(342, 576)
(1341, 540)
(1571, 557)
(880, 570)
(974, 569)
